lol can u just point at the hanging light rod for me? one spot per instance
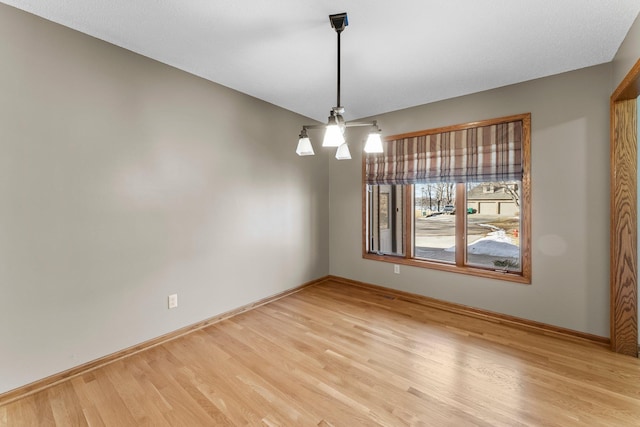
(336, 126)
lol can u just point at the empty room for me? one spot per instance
(410, 213)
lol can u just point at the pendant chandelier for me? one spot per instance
(335, 128)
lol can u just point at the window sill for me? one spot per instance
(521, 278)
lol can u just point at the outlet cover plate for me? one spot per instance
(173, 300)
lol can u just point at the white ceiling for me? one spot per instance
(395, 54)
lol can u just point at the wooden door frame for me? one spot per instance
(624, 223)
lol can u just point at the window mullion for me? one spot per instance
(461, 224)
(409, 212)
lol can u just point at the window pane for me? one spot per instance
(435, 222)
(493, 225)
(385, 219)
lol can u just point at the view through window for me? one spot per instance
(492, 216)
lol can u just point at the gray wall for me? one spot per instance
(627, 54)
(122, 181)
(570, 204)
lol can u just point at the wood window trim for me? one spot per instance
(523, 277)
(623, 281)
(468, 270)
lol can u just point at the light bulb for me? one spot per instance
(343, 152)
(374, 143)
(304, 147)
(333, 136)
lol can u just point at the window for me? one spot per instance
(455, 199)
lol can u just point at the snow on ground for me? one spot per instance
(496, 243)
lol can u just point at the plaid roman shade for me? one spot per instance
(476, 154)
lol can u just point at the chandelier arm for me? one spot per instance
(346, 124)
(354, 124)
(314, 126)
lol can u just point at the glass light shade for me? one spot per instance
(333, 136)
(343, 152)
(304, 147)
(374, 143)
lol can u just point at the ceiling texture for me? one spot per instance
(395, 54)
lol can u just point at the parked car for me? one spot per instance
(471, 210)
(449, 209)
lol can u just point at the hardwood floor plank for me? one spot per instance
(89, 412)
(43, 410)
(65, 406)
(143, 408)
(104, 396)
(334, 354)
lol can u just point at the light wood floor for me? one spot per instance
(340, 355)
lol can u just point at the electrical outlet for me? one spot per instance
(396, 268)
(173, 300)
